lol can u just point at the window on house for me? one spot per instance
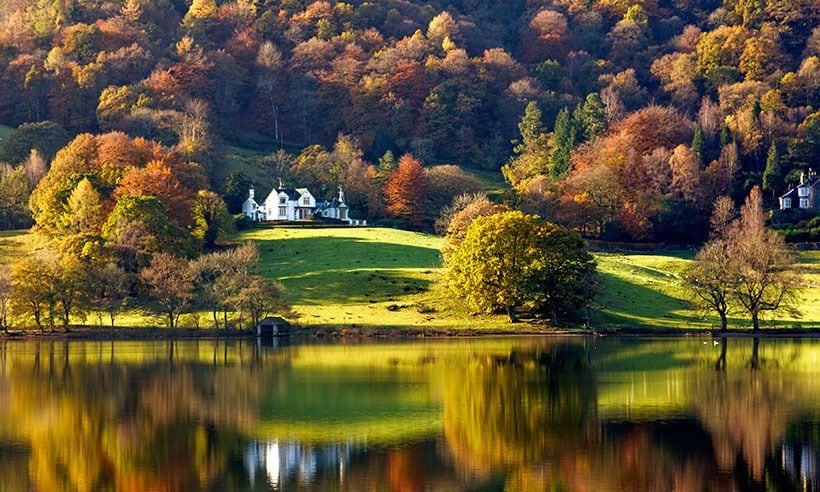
(803, 191)
(306, 200)
(283, 211)
(787, 203)
(282, 200)
(804, 203)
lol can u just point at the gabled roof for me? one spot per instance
(811, 183)
(302, 191)
(290, 192)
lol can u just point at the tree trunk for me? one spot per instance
(216, 319)
(511, 314)
(755, 321)
(111, 315)
(171, 319)
(724, 324)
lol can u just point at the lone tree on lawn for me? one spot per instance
(759, 262)
(745, 264)
(710, 278)
(509, 259)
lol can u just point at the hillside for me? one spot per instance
(623, 120)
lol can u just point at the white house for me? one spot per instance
(806, 195)
(335, 208)
(296, 205)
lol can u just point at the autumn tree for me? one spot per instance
(84, 211)
(33, 289)
(564, 272)
(70, 289)
(710, 278)
(509, 259)
(211, 218)
(456, 218)
(14, 191)
(760, 263)
(445, 183)
(405, 192)
(685, 174)
(109, 290)
(260, 297)
(170, 283)
(35, 167)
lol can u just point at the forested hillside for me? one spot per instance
(623, 119)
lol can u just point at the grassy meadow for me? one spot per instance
(386, 278)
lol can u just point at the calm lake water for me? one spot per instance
(482, 414)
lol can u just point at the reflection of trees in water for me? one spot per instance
(533, 417)
(102, 424)
(526, 420)
(748, 411)
(520, 409)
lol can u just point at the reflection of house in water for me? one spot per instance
(801, 463)
(284, 464)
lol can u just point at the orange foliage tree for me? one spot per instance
(405, 192)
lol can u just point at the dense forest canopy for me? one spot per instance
(620, 118)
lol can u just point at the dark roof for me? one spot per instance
(333, 203)
(811, 183)
(321, 205)
(274, 320)
(290, 192)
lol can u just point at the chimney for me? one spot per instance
(341, 195)
(250, 194)
(802, 177)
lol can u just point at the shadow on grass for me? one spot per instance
(330, 269)
(294, 256)
(622, 302)
(357, 286)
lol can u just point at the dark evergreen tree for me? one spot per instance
(698, 144)
(236, 191)
(592, 116)
(773, 174)
(564, 139)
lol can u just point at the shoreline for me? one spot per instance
(350, 333)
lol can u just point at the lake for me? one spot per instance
(573, 413)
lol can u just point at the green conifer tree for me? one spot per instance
(699, 144)
(773, 174)
(564, 139)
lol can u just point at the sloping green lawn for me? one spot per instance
(382, 278)
(647, 290)
(363, 277)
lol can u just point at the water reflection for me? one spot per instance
(515, 414)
